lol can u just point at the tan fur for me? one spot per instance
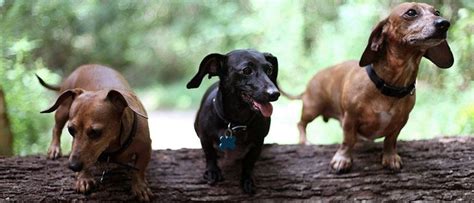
(345, 92)
(87, 102)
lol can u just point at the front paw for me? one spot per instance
(85, 184)
(54, 151)
(392, 162)
(212, 176)
(142, 191)
(341, 163)
(248, 186)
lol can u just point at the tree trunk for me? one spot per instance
(6, 138)
(440, 169)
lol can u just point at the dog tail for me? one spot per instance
(48, 86)
(289, 96)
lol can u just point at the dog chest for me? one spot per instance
(242, 147)
(379, 122)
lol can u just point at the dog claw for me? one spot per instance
(142, 192)
(85, 185)
(213, 176)
(248, 186)
(341, 164)
(392, 162)
(54, 152)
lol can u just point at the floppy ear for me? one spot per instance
(274, 61)
(71, 93)
(127, 124)
(209, 65)
(123, 100)
(374, 45)
(440, 55)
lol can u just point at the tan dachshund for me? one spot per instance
(375, 100)
(106, 120)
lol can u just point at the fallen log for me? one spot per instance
(440, 169)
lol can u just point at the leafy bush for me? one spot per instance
(158, 45)
(25, 98)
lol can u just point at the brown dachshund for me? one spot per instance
(375, 101)
(106, 120)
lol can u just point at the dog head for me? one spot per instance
(97, 121)
(413, 25)
(247, 73)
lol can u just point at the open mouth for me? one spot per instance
(265, 108)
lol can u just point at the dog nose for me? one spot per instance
(273, 96)
(75, 166)
(442, 24)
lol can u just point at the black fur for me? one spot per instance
(233, 83)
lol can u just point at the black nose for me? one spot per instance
(442, 24)
(273, 96)
(75, 166)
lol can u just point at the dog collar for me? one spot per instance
(219, 109)
(128, 141)
(387, 89)
(227, 139)
(105, 156)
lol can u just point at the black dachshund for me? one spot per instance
(234, 116)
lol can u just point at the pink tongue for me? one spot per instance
(266, 109)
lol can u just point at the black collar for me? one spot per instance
(387, 89)
(219, 109)
(128, 141)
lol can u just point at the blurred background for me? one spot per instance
(158, 46)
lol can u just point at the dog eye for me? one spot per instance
(411, 13)
(71, 131)
(437, 13)
(247, 71)
(92, 134)
(269, 70)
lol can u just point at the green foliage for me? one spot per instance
(158, 46)
(24, 98)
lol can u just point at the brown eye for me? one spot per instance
(411, 13)
(437, 13)
(247, 71)
(71, 130)
(94, 133)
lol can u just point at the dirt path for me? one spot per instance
(439, 169)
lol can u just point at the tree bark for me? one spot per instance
(6, 138)
(440, 169)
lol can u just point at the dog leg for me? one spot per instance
(61, 117)
(140, 187)
(390, 158)
(85, 181)
(342, 160)
(309, 112)
(213, 173)
(248, 164)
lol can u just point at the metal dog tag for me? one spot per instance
(227, 141)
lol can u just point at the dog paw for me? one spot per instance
(341, 163)
(304, 142)
(392, 162)
(85, 184)
(248, 186)
(54, 152)
(142, 192)
(212, 176)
